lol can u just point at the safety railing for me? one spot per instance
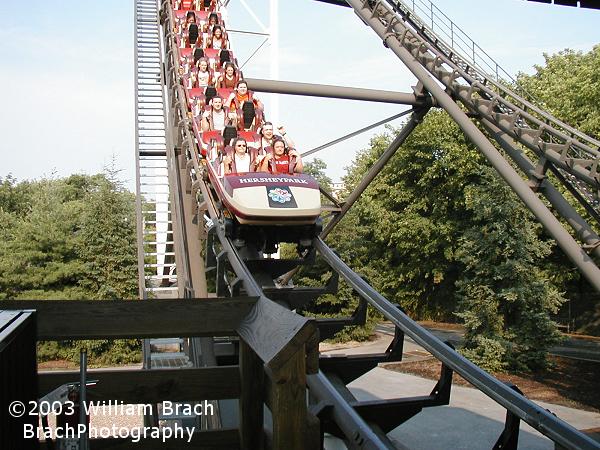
(439, 23)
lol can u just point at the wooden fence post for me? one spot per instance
(251, 399)
(288, 404)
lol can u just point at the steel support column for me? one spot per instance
(359, 433)
(567, 243)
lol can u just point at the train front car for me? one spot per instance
(261, 209)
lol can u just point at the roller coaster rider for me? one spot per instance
(213, 19)
(267, 136)
(203, 74)
(229, 79)
(240, 161)
(217, 117)
(280, 160)
(204, 5)
(218, 39)
(236, 103)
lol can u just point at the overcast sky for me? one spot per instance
(67, 73)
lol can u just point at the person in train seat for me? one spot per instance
(278, 161)
(198, 50)
(217, 116)
(204, 5)
(236, 101)
(267, 136)
(204, 76)
(241, 161)
(217, 39)
(190, 18)
(192, 36)
(213, 19)
(229, 78)
(224, 58)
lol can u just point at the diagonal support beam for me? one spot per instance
(412, 123)
(342, 92)
(355, 133)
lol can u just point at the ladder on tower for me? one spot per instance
(156, 255)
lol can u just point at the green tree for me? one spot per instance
(107, 243)
(316, 168)
(568, 85)
(38, 243)
(71, 238)
(505, 298)
(413, 235)
(402, 233)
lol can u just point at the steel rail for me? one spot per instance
(467, 66)
(540, 419)
(526, 123)
(342, 412)
(393, 34)
(352, 421)
(533, 127)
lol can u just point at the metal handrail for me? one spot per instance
(440, 24)
(491, 72)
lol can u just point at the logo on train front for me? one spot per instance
(281, 197)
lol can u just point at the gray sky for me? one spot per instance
(67, 73)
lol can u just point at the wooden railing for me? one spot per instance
(277, 350)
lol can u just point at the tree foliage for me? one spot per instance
(504, 295)
(568, 85)
(71, 238)
(67, 238)
(404, 229)
(437, 230)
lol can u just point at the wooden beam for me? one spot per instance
(251, 399)
(288, 404)
(226, 439)
(152, 386)
(275, 333)
(154, 318)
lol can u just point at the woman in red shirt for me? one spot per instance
(280, 159)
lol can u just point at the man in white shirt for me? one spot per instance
(217, 117)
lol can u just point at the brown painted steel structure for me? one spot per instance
(230, 261)
(278, 357)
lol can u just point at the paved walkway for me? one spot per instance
(572, 347)
(471, 421)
